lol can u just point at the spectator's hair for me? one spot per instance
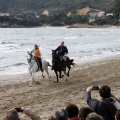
(72, 110)
(84, 111)
(12, 115)
(60, 114)
(94, 116)
(117, 116)
(105, 91)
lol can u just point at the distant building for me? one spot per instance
(45, 13)
(88, 11)
(4, 14)
(109, 14)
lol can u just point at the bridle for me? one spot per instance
(29, 60)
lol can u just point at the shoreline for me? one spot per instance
(77, 25)
(47, 96)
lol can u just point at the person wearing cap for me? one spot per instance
(62, 50)
(37, 56)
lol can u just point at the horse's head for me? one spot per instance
(29, 57)
(54, 55)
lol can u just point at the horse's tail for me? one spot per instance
(49, 64)
(71, 62)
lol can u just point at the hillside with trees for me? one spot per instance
(53, 6)
(27, 13)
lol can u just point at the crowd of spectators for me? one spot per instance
(108, 108)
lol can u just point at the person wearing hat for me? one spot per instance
(37, 56)
(62, 50)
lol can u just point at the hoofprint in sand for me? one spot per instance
(48, 96)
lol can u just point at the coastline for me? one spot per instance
(77, 25)
(47, 96)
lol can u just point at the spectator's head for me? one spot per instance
(93, 116)
(84, 111)
(117, 116)
(62, 43)
(72, 110)
(59, 114)
(105, 91)
(12, 115)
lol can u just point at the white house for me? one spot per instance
(4, 14)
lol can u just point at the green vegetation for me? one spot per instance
(23, 12)
(53, 6)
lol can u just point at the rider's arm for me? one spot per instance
(65, 50)
(57, 48)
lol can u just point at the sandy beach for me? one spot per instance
(47, 96)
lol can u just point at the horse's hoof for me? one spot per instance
(66, 80)
(30, 86)
(55, 82)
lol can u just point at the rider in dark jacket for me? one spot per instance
(62, 50)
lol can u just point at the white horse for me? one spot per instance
(33, 67)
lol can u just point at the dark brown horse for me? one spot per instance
(59, 65)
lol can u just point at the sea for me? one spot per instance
(84, 44)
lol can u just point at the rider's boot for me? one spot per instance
(41, 67)
(52, 68)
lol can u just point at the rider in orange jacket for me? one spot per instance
(37, 55)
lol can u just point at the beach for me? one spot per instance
(47, 96)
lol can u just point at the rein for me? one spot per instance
(32, 65)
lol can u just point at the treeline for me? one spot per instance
(53, 6)
(60, 19)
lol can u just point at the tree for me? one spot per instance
(116, 9)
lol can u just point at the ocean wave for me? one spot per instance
(68, 38)
(7, 43)
(2, 58)
(11, 44)
(16, 64)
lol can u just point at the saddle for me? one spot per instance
(63, 58)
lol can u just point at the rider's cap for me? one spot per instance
(62, 42)
(36, 45)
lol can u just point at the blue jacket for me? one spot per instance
(62, 50)
(106, 109)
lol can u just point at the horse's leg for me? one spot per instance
(56, 74)
(32, 75)
(43, 75)
(47, 73)
(60, 74)
(31, 80)
(68, 71)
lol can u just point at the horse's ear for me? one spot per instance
(28, 52)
